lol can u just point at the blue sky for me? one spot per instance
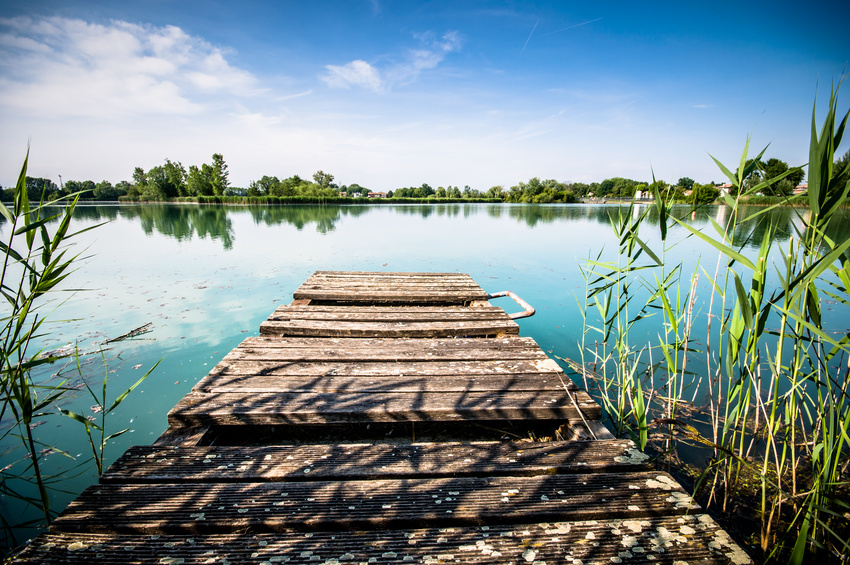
(397, 93)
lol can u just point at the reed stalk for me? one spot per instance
(36, 262)
(776, 377)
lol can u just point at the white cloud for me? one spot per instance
(427, 56)
(357, 73)
(60, 67)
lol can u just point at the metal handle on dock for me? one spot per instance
(529, 310)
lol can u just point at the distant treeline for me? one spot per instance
(208, 183)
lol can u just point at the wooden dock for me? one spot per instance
(385, 418)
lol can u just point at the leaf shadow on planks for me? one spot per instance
(270, 393)
(571, 513)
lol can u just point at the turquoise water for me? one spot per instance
(204, 277)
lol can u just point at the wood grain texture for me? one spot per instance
(358, 461)
(210, 409)
(692, 538)
(169, 508)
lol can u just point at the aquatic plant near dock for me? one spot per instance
(36, 262)
(767, 373)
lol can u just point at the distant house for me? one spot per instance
(801, 188)
(377, 195)
(725, 188)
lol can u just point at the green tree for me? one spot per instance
(122, 187)
(605, 188)
(686, 183)
(497, 191)
(292, 186)
(199, 181)
(40, 187)
(264, 186)
(87, 190)
(166, 181)
(219, 174)
(355, 188)
(580, 189)
(703, 193)
(760, 170)
(105, 191)
(140, 178)
(323, 179)
(773, 168)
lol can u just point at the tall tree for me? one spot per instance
(771, 169)
(140, 179)
(105, 191)
(219, 175)
(606, 188)
(38, 187)
(264, 186)
(323, 179)
(167, 181)
(686, 183)
(199, 180)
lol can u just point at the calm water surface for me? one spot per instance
(206, 276)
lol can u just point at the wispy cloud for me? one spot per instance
(355, 73)
(427, 55)
(67, 67)
(702, 106)
(529, 37)
(574, 26)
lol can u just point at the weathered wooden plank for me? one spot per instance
(200, 409)
(376, 287)
(274, 383)
(387, 314)
(395, 503)
(374, 354)
(391, 348)
(434, 345)
(371, 461)
(427, 274)
(181, 436)
(389, 297)
(669, 539)
(392, 287)
(382, 368)
(379, 309)
(391, 284)
(389, 329)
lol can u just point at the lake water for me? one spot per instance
(204, 277)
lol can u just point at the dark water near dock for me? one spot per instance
(204, 277)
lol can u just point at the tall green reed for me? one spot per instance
(775, 377)
(36, 262)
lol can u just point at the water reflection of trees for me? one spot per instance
(324, 216)
(185, 221)
(182, 222)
